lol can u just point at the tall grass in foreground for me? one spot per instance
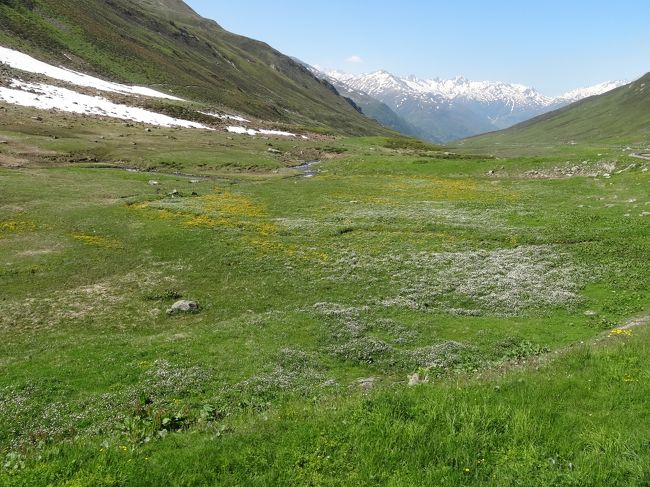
(578, 420)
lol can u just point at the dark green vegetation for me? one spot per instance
(164, 44)
(621, 116)
(498, 280)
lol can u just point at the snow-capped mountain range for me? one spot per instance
(448, 109)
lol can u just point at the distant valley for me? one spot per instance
(442, 110)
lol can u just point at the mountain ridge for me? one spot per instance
(448, 109)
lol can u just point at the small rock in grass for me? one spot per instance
(183, 306)
(328, 383)
(273, 151)
(366, 383)
(153, 183)
(174, 193)
(417, 379)
(590, 313)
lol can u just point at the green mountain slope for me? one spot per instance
(165, 44)
(619, 116)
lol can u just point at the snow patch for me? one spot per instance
(225, 116)
(21, 61)
(48, 97)
(241, 130)
(245, 131)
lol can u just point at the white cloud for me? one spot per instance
(354, 59)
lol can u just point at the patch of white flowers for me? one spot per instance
(505, 282)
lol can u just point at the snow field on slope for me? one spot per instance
(246, 131)
(47, 97)
(18, 60)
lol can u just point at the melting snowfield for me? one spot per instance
(47, 97)
(18, 60)
(225, 116)
(246, 131)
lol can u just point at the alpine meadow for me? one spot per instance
(220, 265)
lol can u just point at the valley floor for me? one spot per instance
(498, 287)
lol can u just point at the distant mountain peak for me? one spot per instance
(585, 92)
(460, 107)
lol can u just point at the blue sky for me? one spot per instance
(553, 45)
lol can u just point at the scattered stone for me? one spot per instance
(3, 142)
(417, 379)
(55, 137)
(329, 383)
(491, 172)
(153, 183)
(273, 151)
(590, 313)
(367, 383)
(147, 130)
(174, 193)
(38, 119)
(195, 181)
(183, 306)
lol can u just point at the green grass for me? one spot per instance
(398, 257)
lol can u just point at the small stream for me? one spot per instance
(308, 171)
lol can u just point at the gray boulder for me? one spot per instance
(183, 306)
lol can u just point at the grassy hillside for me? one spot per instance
(164, 44)
(621, 116)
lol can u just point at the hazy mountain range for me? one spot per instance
(441, 110)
